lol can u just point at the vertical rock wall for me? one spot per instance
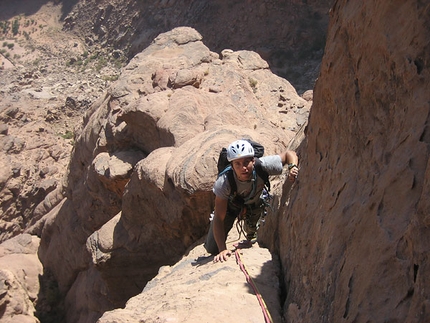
(355, 242)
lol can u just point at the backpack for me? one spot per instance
(224, 166)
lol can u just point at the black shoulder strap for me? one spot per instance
(222, 160)
(262, 173)
(233, 186)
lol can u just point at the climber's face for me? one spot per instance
(243, 168)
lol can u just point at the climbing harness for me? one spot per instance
(265, 310)
(266, 198)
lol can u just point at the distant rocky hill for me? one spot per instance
(289, 35)
(46, 86)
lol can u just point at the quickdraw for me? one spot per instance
(266, 314)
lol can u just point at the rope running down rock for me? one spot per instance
(267, 316)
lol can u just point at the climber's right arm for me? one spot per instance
(218, 229)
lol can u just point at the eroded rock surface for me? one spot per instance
(20, 269)
(355, 242)
(48, 79)
(160, 126)
(197, 290)
(290, 35)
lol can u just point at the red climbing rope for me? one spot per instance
(266, 314)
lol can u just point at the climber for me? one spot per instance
(246, 202)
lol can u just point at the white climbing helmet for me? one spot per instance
(239, 149)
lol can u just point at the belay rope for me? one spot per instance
(266, 314)
(239, 226)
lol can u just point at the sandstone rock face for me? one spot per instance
(51, 80)
(355, 240)
(290, 35)
(139, 189)
(32, 161)
(20, 269)
(197, 290)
